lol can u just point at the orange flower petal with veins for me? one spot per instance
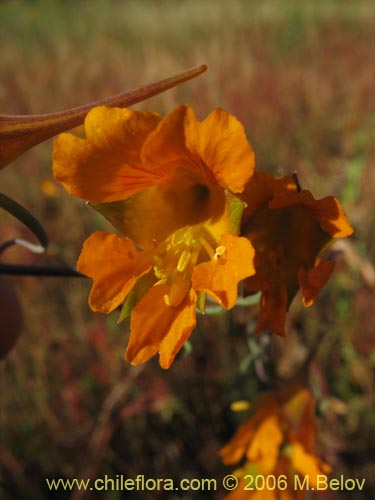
(220, 141)
(156, 327)
(264, 447)
(220, 277)
(216, 150)
(312, 280)
(106, 165)
(327, 211)
(114, 265)
(126, 151)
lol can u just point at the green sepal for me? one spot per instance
(128, 306)
(113, 211)
(135, 295)
(215, 310)
(201, 302)
(235, 210)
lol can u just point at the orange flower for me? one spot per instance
(278, 440)
(289, 229)
(166, 184)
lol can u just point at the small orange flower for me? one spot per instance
(166, 184)
(278, 440)
(289, 229)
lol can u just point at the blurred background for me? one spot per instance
(300, 76)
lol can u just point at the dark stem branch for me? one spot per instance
(35, 270)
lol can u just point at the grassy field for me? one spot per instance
(300, 76)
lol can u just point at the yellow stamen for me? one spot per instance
(183, 261)
(160, 273)
(160, 282)
(220, 251)
(176, 258)
(206, 246)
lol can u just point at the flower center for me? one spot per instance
(176, 257)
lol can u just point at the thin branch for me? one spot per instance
(35, 270)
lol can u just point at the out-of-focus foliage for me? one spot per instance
(299, 75)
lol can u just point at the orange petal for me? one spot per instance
(166, 146)
(265, 445)
(233, 451)
(156, 327)
(332, 217)
(106, 165)
(312, 280)
(260, 189)
(114, 265)
(215, 150)
(220, 277)
(327, 211)
(220, 141)
(308, 464)
(272, 314)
